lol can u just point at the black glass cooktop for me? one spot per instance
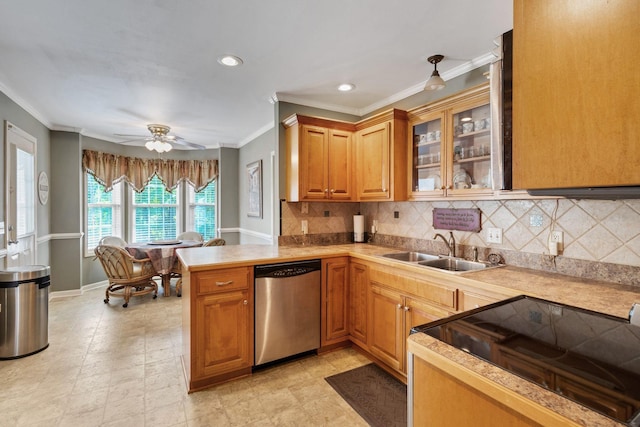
(589, 357)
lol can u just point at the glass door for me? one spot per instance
(471, 153)
(427, 155)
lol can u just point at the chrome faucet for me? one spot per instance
(451, 244)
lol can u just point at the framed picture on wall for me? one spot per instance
(254, 180)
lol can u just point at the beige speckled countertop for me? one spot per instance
(605, 297)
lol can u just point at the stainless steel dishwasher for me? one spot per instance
(287, 309)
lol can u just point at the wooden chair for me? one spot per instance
(128, 277)
(112, 241)
(190, 235)
(177, 268)
(215, 242)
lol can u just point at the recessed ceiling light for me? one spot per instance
(230, 60)
(346, 87)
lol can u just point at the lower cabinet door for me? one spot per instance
(386, 338)
(335, 302)
(223, 343)
(358, 303)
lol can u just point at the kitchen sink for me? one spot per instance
(411, 256)
(455, 264)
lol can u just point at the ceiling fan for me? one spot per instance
(160, 140)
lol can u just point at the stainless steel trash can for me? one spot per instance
(24, 311)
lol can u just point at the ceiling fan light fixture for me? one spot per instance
(435, 82)
(230, 60)
(158, 145)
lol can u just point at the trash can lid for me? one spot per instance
(27, 272)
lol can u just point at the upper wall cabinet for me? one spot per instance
(576, 94)
(381, 170)
(319, 159)
(450, 147)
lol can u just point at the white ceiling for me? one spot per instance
(103, 67)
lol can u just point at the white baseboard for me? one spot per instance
(77, 292)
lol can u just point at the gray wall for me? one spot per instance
(228, 190)
(258, 149)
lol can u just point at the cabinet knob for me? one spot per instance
(245, 302)
(333, 191)
(443, 188)
(326, 190)
(407, 308)
(384, 190)
(399, 306)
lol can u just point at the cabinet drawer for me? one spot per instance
(440, 295)
(222, 280)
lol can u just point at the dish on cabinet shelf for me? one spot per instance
(430, 183)
(461, 180)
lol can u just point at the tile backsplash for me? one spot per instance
(600, 231)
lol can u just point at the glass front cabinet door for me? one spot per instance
(451, 148)
(428, 155)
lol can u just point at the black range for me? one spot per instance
(589, 357)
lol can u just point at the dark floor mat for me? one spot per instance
(378, 397)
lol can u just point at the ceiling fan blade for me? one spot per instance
(129, 135)
(181, 141)
(131, 141)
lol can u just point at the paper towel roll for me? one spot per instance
(358, 228)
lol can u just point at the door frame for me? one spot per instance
(28, 143)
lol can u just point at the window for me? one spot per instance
(201, 216)
(103, 212)
(25, 193)
(154, 213)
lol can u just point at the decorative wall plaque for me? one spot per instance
(457, 219)
(43, 188)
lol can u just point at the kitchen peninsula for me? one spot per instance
(218, 305)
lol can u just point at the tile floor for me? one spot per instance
(113, 366)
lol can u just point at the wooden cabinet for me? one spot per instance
(442, 399)
(219, 341)
(381, 157)
(575, 94)
(470, 299)
(399, 301)
(450, 147)
(386, 317)
(358, 303)
(319, 159)
(335, 301)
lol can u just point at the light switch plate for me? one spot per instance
(494, 235)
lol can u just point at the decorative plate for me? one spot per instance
(461, 180)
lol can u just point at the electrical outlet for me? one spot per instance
(494, 235)
(305, 226)
(557, 237)
(304, 208)
(556, 310)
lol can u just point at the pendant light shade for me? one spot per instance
(435, 82)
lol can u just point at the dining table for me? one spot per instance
(162, 254)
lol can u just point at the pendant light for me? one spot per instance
(435, 82)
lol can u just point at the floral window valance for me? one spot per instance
(109, 169)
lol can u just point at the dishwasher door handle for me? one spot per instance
(228, 282)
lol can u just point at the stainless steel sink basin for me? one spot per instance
(411, 256)
(455, 264)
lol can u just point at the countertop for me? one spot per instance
(604, 297)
